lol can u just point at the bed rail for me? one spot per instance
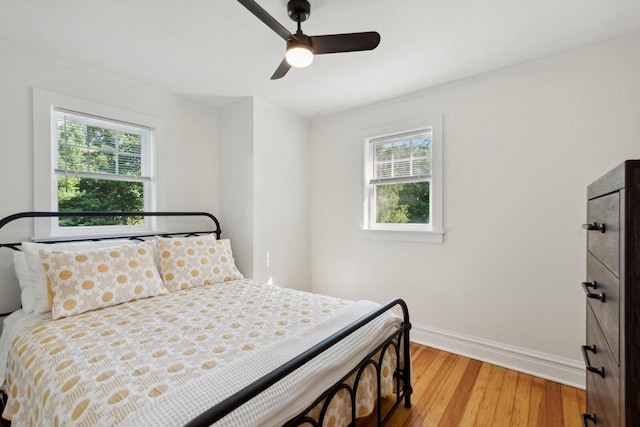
(6, 220)
(234, 401)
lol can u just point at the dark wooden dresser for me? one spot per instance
(612, 351)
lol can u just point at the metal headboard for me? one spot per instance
(137, 236)
(6, 220)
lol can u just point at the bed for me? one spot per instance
(196, 345)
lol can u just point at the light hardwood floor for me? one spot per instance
(452, 390)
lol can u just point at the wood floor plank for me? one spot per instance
(582, 402)
(421, 362)
(504, 407)
(455, 407)
(571, 407)
(452, 390)
(520, 415)
(444, 396)
(536, 403)
(429, 398)
(490, 399)
(430, 367)
(477, 394)
(553, 405)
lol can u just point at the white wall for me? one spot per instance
(281, 185)
(236, 180)
(520, 147)
(265, 192)
(249, 158)
(187, 166)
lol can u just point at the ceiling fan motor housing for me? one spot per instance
(299, 10)
(300, 40)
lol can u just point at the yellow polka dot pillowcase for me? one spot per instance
(195, 261)
(88, 280)
(37, 277)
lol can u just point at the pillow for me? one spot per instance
(27, 297)
(38, 275)
(88, 280)
(195, 261)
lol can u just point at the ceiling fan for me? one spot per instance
(300, 47)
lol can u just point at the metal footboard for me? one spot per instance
(402, 374)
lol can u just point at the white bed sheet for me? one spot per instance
(12, 324)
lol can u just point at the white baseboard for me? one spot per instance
(548, 366)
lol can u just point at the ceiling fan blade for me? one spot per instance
(282, 70)
(353, 42)
(262, 15)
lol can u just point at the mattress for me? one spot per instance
(165, 359)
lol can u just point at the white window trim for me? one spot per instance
(434, 231)
(45, 184)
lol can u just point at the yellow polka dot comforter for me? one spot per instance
(163, 360)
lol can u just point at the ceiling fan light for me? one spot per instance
(299, 56)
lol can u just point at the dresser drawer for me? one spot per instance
(605, 246)
(602, 393)
(607, 310)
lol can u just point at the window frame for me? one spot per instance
(431, 232)
(46, 106)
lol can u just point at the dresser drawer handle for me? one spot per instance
(593, 285)
(589, 417)
(594, 226)
(591, 348)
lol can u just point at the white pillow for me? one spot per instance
(27, 297)
(39, 276)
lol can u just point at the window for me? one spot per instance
(403, 180)
(101, 165)
(89, 157)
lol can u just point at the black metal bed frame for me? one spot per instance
(6, 220)
(398, 341)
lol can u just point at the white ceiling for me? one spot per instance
(214, 50)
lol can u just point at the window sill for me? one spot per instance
(421, 236)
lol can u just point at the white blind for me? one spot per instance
(402, 157)
(95, 147)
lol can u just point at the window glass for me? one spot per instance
(399, 184)
(403, 203)
(101, 165)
